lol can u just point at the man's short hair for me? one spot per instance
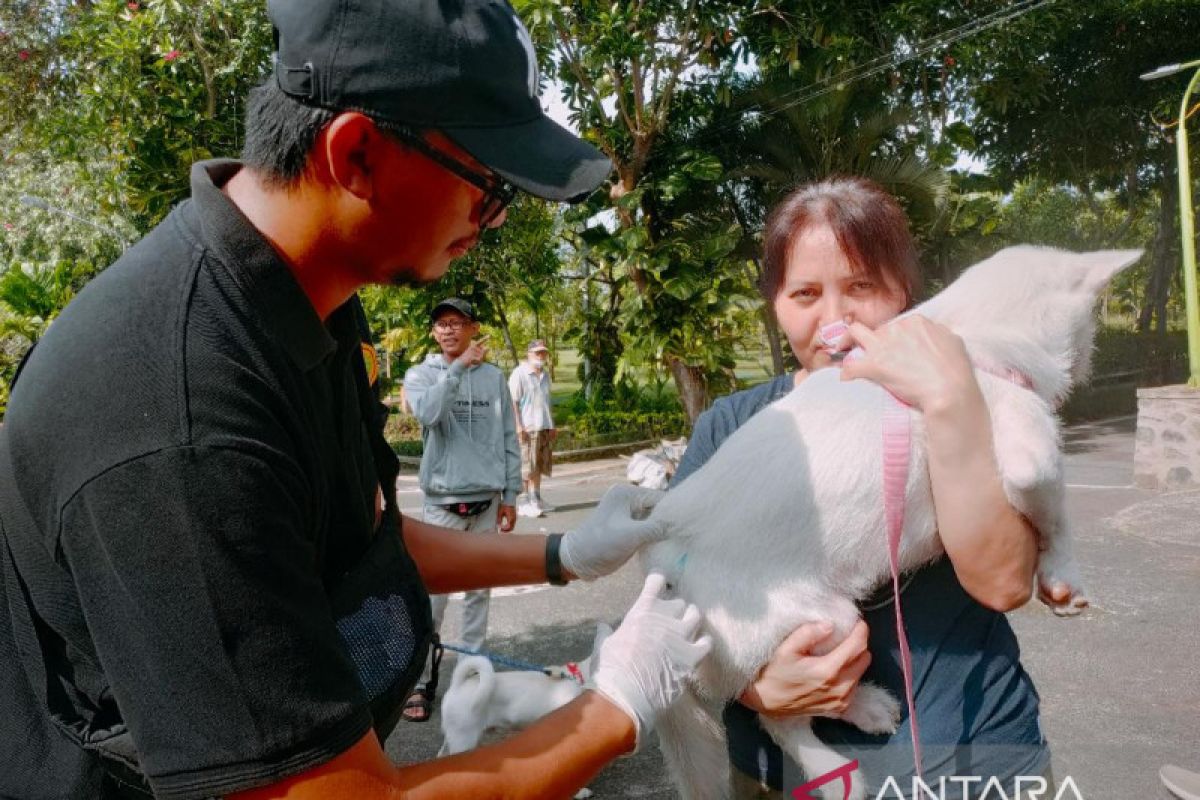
(280, 132)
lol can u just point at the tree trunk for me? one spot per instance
(1163, 264)
(771, 327)
(770, 323)
(508, 342)
(692, 386)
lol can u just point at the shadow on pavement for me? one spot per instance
(1090, 436)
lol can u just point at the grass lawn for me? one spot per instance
(752, 367)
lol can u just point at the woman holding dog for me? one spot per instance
(841, 250)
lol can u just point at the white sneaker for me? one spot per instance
(527, 510)
(539, 511)
(1181, 783)
(542, 505)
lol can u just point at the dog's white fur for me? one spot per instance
(480, 699)
(785, 523)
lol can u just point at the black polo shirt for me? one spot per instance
(183, 475)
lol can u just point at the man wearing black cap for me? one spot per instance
(208, 597)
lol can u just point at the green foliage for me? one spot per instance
(511, 279)
(1122, 361)
(597, 427)
(1058, 94)
(156, 86)
(46, 256)
(139, 90)
(709, 113)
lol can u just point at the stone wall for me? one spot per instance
(1167, 454)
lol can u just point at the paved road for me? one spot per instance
(1120, 687)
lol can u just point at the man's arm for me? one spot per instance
(452, 561)
(554, 757)
(642, 669)
(512, 450)
(455, 561)
(430, 400)
(514, 389)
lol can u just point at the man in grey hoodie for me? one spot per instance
(471, 466)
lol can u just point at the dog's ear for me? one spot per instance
(1102, 266)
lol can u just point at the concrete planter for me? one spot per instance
(1167, 454)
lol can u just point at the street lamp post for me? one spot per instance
(1186, 217)
(39, 203)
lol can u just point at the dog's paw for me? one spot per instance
(1064, 599)
(1060, 586)
(583, 794)
(873, 709)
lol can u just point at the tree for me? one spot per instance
(514, 268)
(46, 254)
(848, 131)
(139, 89)
(1059, 98)
(623, 65)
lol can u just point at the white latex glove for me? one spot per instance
(642, 666)
(616, 530)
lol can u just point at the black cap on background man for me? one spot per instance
(453, 304)
(467, 68)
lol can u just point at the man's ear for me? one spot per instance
(352, 148)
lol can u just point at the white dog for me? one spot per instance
(785, 523)
(480, 699)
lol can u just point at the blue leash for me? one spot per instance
(523, 666)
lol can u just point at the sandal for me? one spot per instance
(419, 707)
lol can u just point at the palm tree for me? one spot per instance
(849, 131)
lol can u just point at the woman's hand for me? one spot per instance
(920, 361)
(795, 681)
(992, 547)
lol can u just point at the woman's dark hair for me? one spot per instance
(869, 225)
(280, 132)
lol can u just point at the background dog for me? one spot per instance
(480, 699)
(785, 523)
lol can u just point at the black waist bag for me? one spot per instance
(383, 615)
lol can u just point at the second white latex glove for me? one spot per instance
(643, 665)
(617, 529)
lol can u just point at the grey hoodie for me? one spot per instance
(467, 426)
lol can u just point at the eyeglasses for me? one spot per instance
(446, 325)
(497, 192)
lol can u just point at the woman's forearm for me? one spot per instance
(992, 546)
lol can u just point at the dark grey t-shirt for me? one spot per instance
(976, 705)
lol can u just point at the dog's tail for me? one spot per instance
(474, 667)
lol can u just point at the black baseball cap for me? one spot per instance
(464, 67)
(453, 304)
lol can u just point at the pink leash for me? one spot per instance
(897, 444)
(897, 447)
